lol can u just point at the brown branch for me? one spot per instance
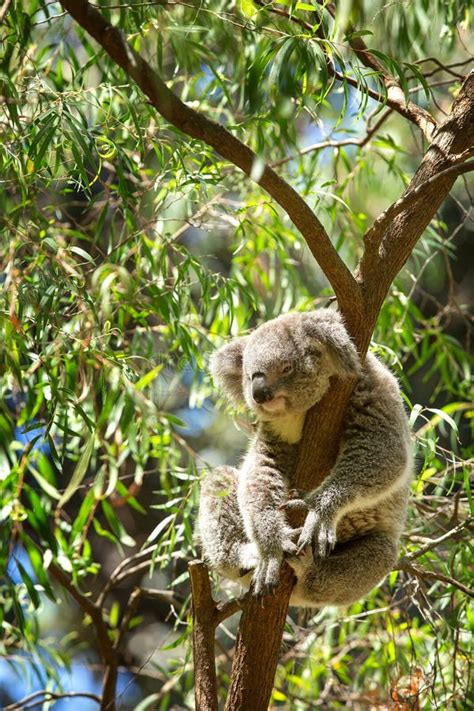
(389, 245)
(130, 610)
(167, 596)
(394, 96)
(198, 126)
(424, 574)
(228, 608)
(204, 610)
(440, 67)
(409, 199)
(117, 574)
(433, 543)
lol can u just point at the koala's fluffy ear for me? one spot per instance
(328, 328)
(226, 369)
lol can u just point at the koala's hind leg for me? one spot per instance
(346, 575)
(225, 546)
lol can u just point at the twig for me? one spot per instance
(361, 142)
(33, 700)
(130, 610)
(115, 575)
(440, 67)
(107, 651)
(424, 574)
(394, 97)
(433, 543)
(167, 596)
(228, 608)
(4, 10)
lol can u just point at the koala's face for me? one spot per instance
(285, 365)
(284, 369)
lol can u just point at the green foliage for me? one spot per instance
(129, 251)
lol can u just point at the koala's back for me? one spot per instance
(376, 415)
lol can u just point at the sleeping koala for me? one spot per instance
(354, 519)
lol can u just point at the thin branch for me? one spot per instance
(33, 700)
(167, 596)
(391, 239)
(130, 611)
(433, 543)
(440, 67)
(198, 126)
(4, 10)
(424, 574)
(228, 608)
(115, 575)
(394, 97)
(360, 142)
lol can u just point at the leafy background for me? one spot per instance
(129, 252)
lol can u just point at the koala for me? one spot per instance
(354, 519)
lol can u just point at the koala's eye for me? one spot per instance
(287, 368)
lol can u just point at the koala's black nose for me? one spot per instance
(260, 391)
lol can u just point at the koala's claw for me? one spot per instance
(326, 540)
(266, 576)
(318, 533)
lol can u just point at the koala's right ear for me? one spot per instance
(226, 369)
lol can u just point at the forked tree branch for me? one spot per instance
(392, 238)
(198, 126)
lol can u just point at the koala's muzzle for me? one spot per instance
(260, 391)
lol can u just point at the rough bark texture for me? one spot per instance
(257, 648)
(204, 623)
(388, 244)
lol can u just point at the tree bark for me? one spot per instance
(204, 625)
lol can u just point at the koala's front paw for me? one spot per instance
(319, 532)
(267, 573)
(266, 576)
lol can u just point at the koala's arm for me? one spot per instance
(374, 459)
(261, 492)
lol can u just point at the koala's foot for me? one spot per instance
(267, 573)
(266, 576)
(319, 532)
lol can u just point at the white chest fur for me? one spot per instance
(289, 428)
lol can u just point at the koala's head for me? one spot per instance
(285, 365)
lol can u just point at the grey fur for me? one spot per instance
(350, 537)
